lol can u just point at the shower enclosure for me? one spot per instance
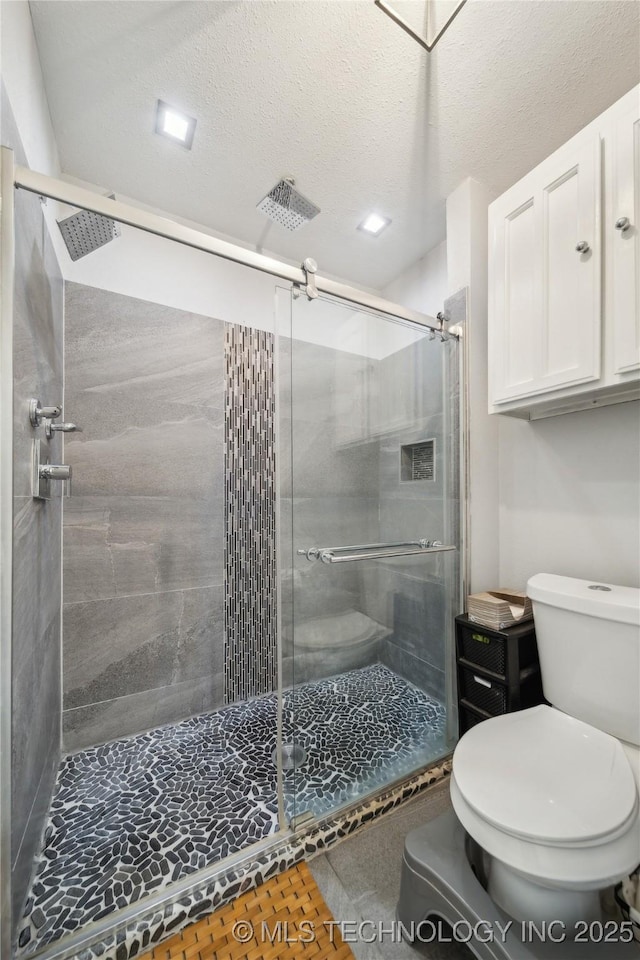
(369, 530)
(252, 628)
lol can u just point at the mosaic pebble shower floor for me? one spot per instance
(130, 817)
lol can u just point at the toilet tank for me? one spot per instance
(588, 637)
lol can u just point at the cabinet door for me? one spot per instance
(545, 311)
(514, 293)
(624, 236)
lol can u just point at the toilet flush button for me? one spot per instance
(599, 586)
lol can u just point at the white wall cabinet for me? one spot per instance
(564, 280)
(625, 239)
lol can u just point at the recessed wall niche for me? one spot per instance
(418, 461)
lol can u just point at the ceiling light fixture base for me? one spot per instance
(374, 224)
(175, 125)
(428, 42)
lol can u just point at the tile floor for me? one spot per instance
(130, 817)
(360, 880)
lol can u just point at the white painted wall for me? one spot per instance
(570, 496)
(467, 267)
(148, 267)
(423, 285)
(22, 77)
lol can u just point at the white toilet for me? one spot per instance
(552, 793)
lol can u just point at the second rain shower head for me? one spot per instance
(287, 206)
(84, 232)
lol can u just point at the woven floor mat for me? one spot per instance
(284, 917)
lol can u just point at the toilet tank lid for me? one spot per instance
(590, 597)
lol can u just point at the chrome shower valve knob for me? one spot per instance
(44, 472)
(57, 471)
(38, 413)
(50, 428)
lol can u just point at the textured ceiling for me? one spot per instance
(332, 93)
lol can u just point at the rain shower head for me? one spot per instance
(286, 205)
(84, 232)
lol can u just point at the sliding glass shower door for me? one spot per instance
(370, 560)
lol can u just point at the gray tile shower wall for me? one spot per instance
(174, 491)
(38, 330)
(143, 533)
(127, 716)
(126, 645)
(329, 482)
(169, 539)
(412, 596)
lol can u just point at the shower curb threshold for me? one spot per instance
(145, 926)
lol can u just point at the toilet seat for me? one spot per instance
(545, 777)
(571, 867)
(550, 796)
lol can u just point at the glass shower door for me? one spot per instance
(370, 559)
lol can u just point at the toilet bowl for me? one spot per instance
(554, 803)
(551, 797)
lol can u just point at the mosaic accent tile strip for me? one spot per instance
(250, 653)
(130, 817)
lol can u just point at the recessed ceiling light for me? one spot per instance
(374, 224)
(174, 125)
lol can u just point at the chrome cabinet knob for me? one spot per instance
(623, 224)
(582, 247)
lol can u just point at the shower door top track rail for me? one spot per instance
(74, 196)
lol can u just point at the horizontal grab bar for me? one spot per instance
(374, 551)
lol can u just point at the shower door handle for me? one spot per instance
(375, 551)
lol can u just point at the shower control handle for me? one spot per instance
(57, 471)
(38, 413)
(50, 428)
